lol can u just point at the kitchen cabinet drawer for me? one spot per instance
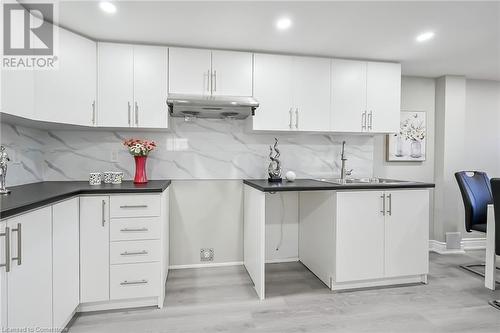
(137, 228)
(134, 280)
(134, 251)
(134, 205)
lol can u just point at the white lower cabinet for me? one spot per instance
(123, 250)
(65, 259)
(94, 249)
(377, 237)
(29, 279)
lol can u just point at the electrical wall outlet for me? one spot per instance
(114, 156)
(207, 254)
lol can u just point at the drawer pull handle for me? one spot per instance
(133, 253)
(134, 230)
(134, 206)
(6, 234)
(128, 283)
(19, 245)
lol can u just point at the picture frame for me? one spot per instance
(409, 145)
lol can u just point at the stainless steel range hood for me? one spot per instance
(221, 107)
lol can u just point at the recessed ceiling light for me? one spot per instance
(283, 23)
(107, 7)
(425, 36)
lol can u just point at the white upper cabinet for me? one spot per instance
(311, 93)
(273, 78)
(231, 73)
(115, 85)
(132, 86)
(348, 95)
(68, 94)
(206, 72)
(383, 98)
(189, 71)
(150, 87)
(365, 96)
(293, 93)
(18, 93)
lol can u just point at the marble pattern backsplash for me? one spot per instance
(202, 149)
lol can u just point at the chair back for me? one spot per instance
(495, 188)
(476, 194)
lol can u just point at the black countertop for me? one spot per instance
(316, 185)
(26, 197)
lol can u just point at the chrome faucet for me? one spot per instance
(343, 171)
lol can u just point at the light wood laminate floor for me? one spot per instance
(223, 300)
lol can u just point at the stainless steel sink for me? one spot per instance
(367, 181)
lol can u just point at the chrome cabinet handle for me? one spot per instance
(19, 245)
(6, 234)
(209, 80)
(134, 206)
(93, 113)
(215, 81)
(133, 253)
(383, 204)
(136, 114)
(290, 122)
(103, 212)
(297, 118)
(125, 283)
(363, 121)
(370, 120)
(128, 106)
(133, 230)
(389, 211)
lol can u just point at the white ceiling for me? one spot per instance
(467, 40)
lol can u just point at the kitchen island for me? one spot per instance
(352, 235)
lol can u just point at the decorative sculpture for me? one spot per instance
(274, 169)
(4, 158)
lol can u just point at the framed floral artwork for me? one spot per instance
(409, 144)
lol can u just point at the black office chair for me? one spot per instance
(495, 188)
(476, 193)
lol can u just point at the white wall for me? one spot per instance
(482, 118)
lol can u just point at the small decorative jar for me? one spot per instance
(416, 149)
(117, 177)
(108, 177)
(95, 178)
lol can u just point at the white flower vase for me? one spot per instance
(399, 147)
(416, 149)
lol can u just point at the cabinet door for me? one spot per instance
(359, 236)
(150, 87)
(407, 233)
(232, 73)
(65, 260)
(115, 82)
(189, 71)
(273, 89)
(311, 93)
(384, 96)
(68, 94)
(18, 93)
(94, 249)
(348, 95)
(29, 282)
(3, 277)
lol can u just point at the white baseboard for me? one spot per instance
(209, 264)
(278, 260)
(467, 244)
